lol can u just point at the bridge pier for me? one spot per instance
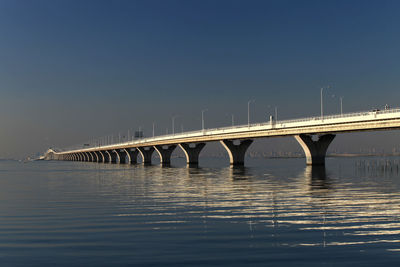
(192, 152)
(106, 156)
(131, 155)
(315, 151)
(236, 152)
(121, 156)
(86, 156)
(165, 153)
(112, 156)
(92, 156)
(146, 153)
(95, 156)
(99, 156)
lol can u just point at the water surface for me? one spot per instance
(274, 212)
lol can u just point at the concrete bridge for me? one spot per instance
(313, 134)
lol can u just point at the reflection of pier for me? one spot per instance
(317, 177)
(237, 173)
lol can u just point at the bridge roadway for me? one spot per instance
(237, 139)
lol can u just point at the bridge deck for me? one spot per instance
(351, 122)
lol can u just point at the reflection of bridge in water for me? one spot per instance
(237, 139)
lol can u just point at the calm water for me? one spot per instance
(275, 212)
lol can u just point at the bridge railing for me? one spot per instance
(273, 125)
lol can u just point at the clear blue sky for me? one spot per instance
(73, 70)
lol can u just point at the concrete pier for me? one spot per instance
(99, 156)
(192, 152)
(121, 156)
(165, 153)
(236, 152)
(113, 156)
(146, 153)
(87, 157)
(106, 156)
(315, 151)
(132, 155)
(92, 156)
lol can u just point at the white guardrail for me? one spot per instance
(271, 125)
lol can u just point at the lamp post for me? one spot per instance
(322, 104)
(341, 105)
(202, 118)
(173, 123)
(248, 112)
(153, 128)
(233, 120)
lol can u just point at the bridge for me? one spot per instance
(314, 135)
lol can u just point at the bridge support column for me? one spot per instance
(87, 157)
(192, 152)
(236, 152)
(106, 156)
(121, 156)
(92, 156)
(165, 153)
(315, 151)
(99, 157)
(81, 157)
(113, 156)
(132, 155)
(146, 153)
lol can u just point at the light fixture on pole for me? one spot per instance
(202, 118)
(322, 104)
(341, 105)
(248, 111)
(322, 101)
(173, 123)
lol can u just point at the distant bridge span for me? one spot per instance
(237, 139)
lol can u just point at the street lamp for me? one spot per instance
(202, 118)
(248, 111)
(341, 105)
(322, 105)
(173, 123)
(153, 128)
(276, 112)
(322, 102)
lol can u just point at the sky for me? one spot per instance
(71, 71)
